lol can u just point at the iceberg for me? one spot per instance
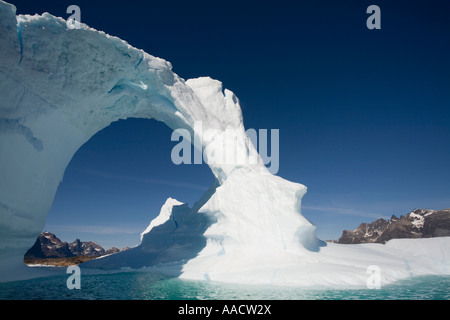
(62, 85)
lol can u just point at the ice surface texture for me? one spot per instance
(60, 86)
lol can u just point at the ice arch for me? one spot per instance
(60, 86)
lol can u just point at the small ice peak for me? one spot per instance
(164, 215)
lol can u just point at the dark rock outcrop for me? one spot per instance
(88, 248)
(48, 245)
(420, 223)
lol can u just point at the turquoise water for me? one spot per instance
(153, 286)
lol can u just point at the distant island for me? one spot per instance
(49, 250)
(419, 223)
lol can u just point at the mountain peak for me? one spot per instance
(419, 223)
(48, 245)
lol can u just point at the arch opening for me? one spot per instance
(116, 183)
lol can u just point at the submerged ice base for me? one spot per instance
(60, 86)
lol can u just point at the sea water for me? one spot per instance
(154, 286)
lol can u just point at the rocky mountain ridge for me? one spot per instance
(419, 223)
(48, 245)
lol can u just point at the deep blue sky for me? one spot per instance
(364, 115)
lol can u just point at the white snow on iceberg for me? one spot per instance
(60, 86)
(164, 215)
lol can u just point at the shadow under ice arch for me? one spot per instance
(60, 86)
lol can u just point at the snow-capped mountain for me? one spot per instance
(89, 248)
(420, 223)
(48, 245)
